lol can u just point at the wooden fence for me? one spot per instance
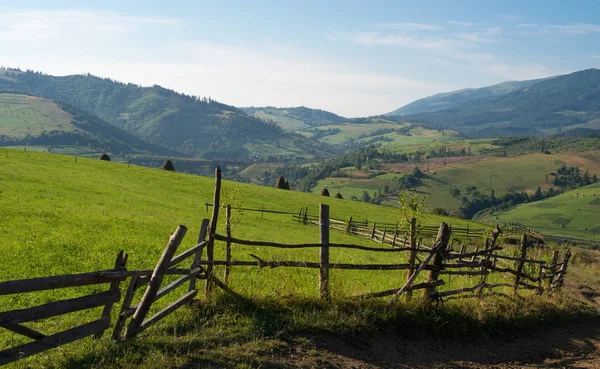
(12, 320)
(440, 259)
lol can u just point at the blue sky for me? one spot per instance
(354, 58)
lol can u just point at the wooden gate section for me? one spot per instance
(13, 320)
(167, 265)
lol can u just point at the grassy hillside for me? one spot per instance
(60, 216)
(60, 127)
(441, 175)
(198, 127)
(572, 214)
(295, 119)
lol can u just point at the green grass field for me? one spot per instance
(257, 170)
(59, 216)
(21, 115)
(573, 214)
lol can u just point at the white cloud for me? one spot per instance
(408, 26)
(108, 45)
(571, 29)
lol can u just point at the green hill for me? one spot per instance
(294, 119)
(572, 214)
(197, 127)
(50, 124)
(544, 108)
(448, 100)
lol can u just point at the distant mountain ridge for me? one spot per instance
(197, 127)
(546, 107)
(447, 100)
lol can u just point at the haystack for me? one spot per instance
(168, 165)
(282, 184)
(325, 191)
(338, 195)
(104, 157)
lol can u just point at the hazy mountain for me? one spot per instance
(199, 127)
(50, 123)
(545, 107)
(293, 119)
(447, 100)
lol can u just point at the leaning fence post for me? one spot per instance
(324, 267)
(210, 245)
(552, 269)
(198, 256)
(521, 262)
(349, 227)
(383, 237)
(413, 252)
(560, 278)
(442, 237)
(373, 231)
(155, 282)
(228, 245)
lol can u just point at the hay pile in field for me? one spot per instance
(338, 195)
(325, 191)
(168, 165)
(282, 183)
(104, 157)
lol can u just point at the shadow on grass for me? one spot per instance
(267, 333)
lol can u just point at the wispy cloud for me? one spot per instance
(48, 24)
(110, 45)
(408, 26)
(572, 29)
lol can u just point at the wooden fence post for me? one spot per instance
(228, 245)
(413, 252)
(395, 236)
(560, 277)
(486, 263)
(324, 269)
(114, 286)
(373, 231)
(552, 269)
(300, 214)
(198, 256)
(155, 282)
(443, 236)
(521, 262)
(383, 237)
(210, 245)
(349, 227)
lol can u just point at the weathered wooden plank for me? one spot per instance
(395, 290)
(309, 245)
(169, 309)
(187, 253)
(472, 254)
(178, 282)
(307, 264)
(155, 282)
(61, 281)
(413, 252)
(198, 256)
(120, 264)
(228, 243)
(22, 330)
(324, 254)
(55, 340)
(212, 230)
(519, 259)
(442, 238)
(59, 307)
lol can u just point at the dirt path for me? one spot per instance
(571, 346)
